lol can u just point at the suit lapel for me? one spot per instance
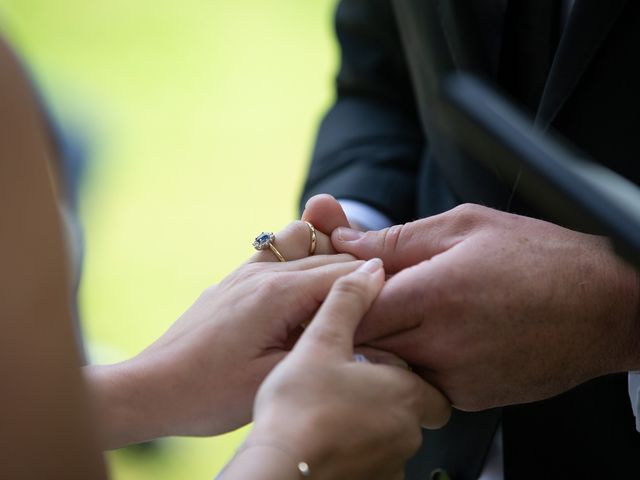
(436, 43)
(588, 26)
(473, 29)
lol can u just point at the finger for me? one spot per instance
(309, 289)
(436, 410)
(318, 281)
(305, 263)
(331, 332)
(325, 213)
(293, 243)
(431, 407)
(407, 300)
(399, 246)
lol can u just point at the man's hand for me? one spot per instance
(495, 308)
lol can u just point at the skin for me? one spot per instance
(202, 375)
(345, 419)
(495, 308)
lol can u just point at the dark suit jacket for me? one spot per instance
(376, 146)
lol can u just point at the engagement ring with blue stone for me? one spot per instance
(266, 240)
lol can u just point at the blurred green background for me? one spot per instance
(201, 117)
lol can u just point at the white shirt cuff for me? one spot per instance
(634, 395)
(365, 216)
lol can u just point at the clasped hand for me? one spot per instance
(494, 308)
(202, 376)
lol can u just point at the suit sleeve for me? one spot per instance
(370, 143)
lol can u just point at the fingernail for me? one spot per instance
(371, 266)
(394, 361)
(348, 234)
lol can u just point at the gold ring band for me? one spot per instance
(275, 251)
(314, 238)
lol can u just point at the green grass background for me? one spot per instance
(202, 116)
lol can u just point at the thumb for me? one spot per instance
(331, 332)
(399, 246)
(325, 213)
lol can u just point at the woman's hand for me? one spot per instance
(201, 376)
(345, 419)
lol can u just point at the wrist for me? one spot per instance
(299, 436)
(122, 405)
(264, 461)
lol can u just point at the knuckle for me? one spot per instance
(327, 336)
(468, 209)
(470, 215)
(351, 286)
(391, 238)
(466, 216)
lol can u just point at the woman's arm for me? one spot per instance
(45, 423)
